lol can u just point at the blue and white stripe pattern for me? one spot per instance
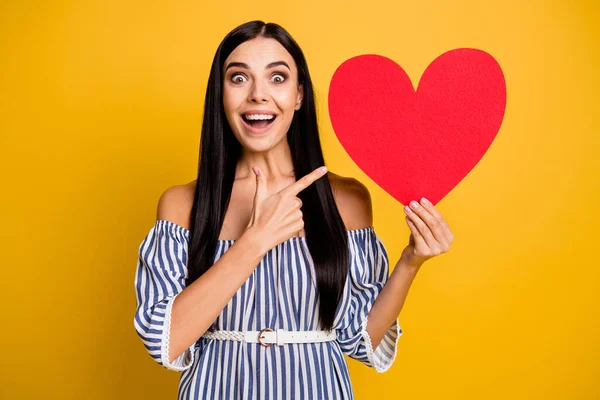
(280, 294)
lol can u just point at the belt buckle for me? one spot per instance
(260, 336)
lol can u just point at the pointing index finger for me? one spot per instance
(304, 182)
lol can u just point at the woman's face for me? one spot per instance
(260, 92)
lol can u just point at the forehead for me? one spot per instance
(259, 52)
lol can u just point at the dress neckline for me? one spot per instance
(301, 238)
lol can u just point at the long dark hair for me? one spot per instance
(219, 153)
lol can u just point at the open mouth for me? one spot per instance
(259, 123)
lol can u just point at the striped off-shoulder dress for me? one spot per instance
(280, 294)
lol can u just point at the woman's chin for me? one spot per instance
(259, 143)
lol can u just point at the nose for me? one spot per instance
(258, 92)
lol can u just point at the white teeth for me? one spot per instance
(259, 116)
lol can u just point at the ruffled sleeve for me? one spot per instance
(369, 271)
(160, 276)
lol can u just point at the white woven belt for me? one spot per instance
(268, 337)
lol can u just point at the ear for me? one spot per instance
(300, 96)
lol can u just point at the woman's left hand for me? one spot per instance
(430, 234)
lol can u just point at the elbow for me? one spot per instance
(153, 325)
(178, 363)
(157, 344)
(151, 339)
(154, 331)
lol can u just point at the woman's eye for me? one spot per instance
(235, 79)
(240, 78)
(280, 80)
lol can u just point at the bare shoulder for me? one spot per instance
(351, 197)
(353, 200)
(175, 204)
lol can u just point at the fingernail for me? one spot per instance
(414, 204)
(407, 209)
(323, 169)
(425, 201)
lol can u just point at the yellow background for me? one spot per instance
(101, 109)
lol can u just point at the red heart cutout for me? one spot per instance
(418, 143)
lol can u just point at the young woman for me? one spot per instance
(259, 276)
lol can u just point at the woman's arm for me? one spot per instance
(389, 303)
(199, 304)
(430, 236)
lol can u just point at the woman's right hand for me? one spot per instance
(277, 218)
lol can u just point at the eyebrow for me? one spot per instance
(245, 66)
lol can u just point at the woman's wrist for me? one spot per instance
(408, 267)
(252, 242)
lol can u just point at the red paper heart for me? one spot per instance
(418, 143)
